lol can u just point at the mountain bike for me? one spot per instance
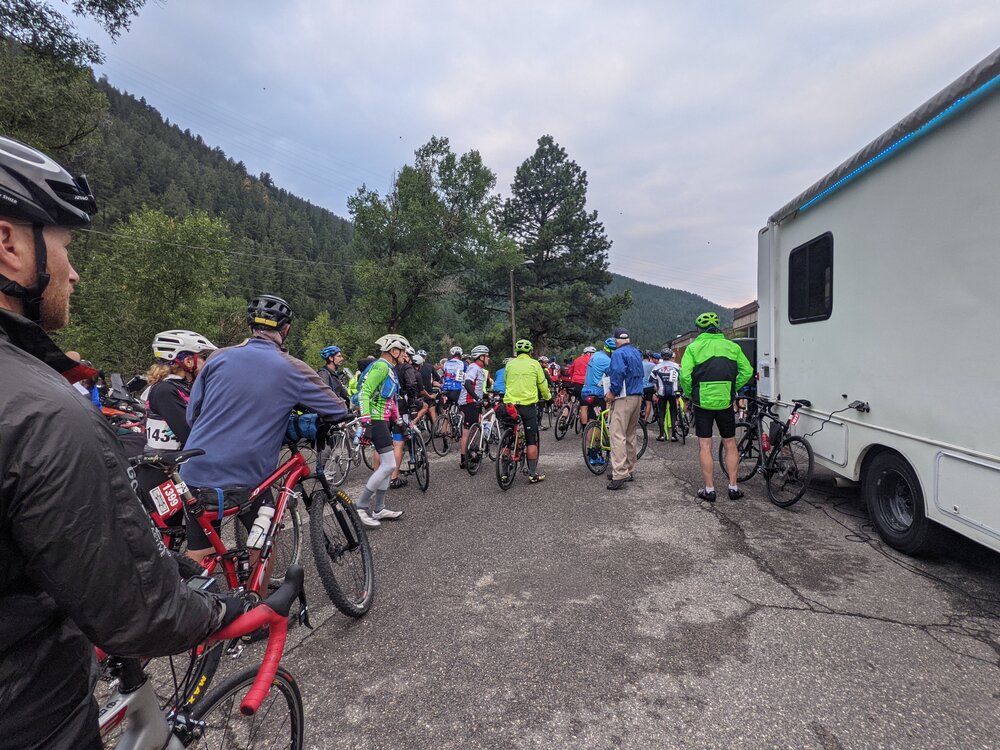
(596, 442)
(447, 428)
(259, 706)
(785, 460)
(484, 439)
(512, 454)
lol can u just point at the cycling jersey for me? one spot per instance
(579, 372)
(712, 369)
(477, 375)
(454, 375)
(499, 382)
(166, 406)
(379, 390)
(525, 381)
(597, 370)
(427, 376)
(665, 377)
(647, 371)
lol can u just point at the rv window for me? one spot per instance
(810, 280)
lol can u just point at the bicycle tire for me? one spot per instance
(421, 465)
(787, 479)
(506, 467)
(286, 546)
(441, 442)
(339, 565)
(586, 440)
(562, 426)
(748, 451)
(338, 462)
(281, 713)
(493, 441)
(473, 450)
(577, 427)
(641, 439)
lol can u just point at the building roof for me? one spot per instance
(747, 309)
(969, 88)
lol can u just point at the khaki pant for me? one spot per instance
(624, 420)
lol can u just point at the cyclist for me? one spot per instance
(79, 561)
(379, 413)
(500, 381)
(452, 377)
(407, 401)
(593, 389)
(472, 395)
(712, 370)
(429, 386)
(578, 376)
(331, 373)
(648, 386)
(526, 385)
(239, 410)
(666, 375)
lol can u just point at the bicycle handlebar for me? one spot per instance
(273, 614)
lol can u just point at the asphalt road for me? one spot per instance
(562, 615)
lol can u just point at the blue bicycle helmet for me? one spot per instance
(609, 344)
(329, 352)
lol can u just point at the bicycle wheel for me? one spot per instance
(641, 439)
(421, 464)
(278, 723)
(747, 449)
(474, 450)
(286, 548)
(338, 460)
(506, 466)
(342, 552)
(577, 427)
(684, 424)
(562, 424)
(440, 438)
(493, 440)
(789, 471)
(595, 458)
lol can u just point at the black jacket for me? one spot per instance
(333, 380)
(80, 563)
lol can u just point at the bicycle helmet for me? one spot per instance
(667, 353)
(35, 189)
(543, 358)
(329, 351)
(656, 356)
(707, 320)
(456, 351)
(268, 311)
(609, 344)
(506, 360)
(589, 350)
(523, 346)
(392, 341)
(480, 351)
(422, 353)
(411, 351)
(647, 354)
(418, 359)
(171, 345)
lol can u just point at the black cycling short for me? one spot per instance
(529, 418)
(595, 402)
(380, 435)
(648, 393)
(725, 419)
(451, 396)
(575, 389)
(470, 412)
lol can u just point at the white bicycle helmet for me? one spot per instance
(418, 360)
(411, 351)
(392, 341)
(167, 345)
(479, 351)
(589, 350)
(456, 350)
(422, 353)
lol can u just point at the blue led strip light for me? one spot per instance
(924, 129)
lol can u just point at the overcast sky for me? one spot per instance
(693, 120)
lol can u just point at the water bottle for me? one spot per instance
(261, 526)
(358, 432)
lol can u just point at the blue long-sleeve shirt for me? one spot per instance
(597, 367)
(499, 380)
(626, 371)
(239, 411)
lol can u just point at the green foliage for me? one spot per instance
(48, 104)
(559, 300)
(354, 340)
(149, 278)
(657, 314)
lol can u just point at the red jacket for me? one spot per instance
(579, 371)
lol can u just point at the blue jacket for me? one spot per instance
(499, 384)
(626, 370)
(239, 411)
(596, 369)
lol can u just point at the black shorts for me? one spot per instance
(529, 418)
(451, 396)
(648, 393)
(725, 419)
(470, 412)
(380, 435)
(575, 389)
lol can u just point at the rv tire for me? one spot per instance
(896, 504)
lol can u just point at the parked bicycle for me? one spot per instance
(785, 460)
(447, 429)
(342, 452)
(484, 439)
(569, 416)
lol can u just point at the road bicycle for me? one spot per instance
(341, 550)
(569, 416)
(785, 460)
(683, 427)
(342, 452)
(415, 460)
(484, 439)
(596, 442)
(512, 455)
(257, 707)
(447, 428)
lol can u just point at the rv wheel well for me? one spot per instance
(870, 453)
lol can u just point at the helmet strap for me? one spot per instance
(32, 294)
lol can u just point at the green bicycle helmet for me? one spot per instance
(707, 320)
(523, 346)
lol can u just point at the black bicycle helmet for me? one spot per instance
(35, 189)
(268, 311)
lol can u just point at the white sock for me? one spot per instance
(733, 487)
(709, 489)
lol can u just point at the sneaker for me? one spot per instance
(661, 439)
(395, 484)
(536, 478)
(630, 478)
(735, 494)
(616, 484)
(706, 496)
(673, 438)
(388, 514)
(367, 519)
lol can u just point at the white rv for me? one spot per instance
(879, 292)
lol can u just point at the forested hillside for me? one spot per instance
(658, 314)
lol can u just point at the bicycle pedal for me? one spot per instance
(235, 651)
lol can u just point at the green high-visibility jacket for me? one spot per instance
(712, 370)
